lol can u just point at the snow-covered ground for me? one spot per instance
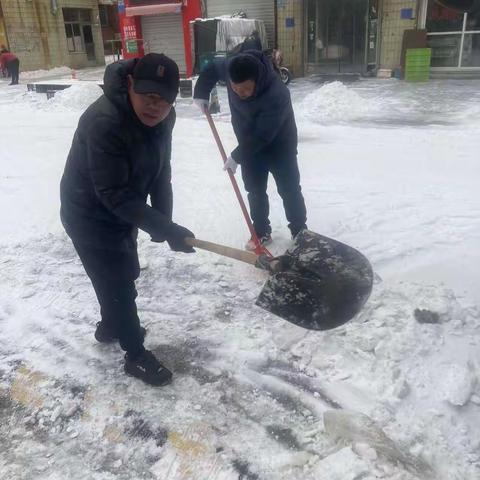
(390, 168)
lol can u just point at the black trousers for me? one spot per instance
(113, 274)
(13, 68)
(287, 177)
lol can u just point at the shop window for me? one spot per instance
(443, 19)
(75, 19)
(445, 50)
(74, 37)
(471, 51)
(454, 32)
(473, 18)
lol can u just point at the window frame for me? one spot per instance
(75, 20)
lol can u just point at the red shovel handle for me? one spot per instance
(259, 248)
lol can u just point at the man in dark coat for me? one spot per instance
(264, 124)
(120, 155)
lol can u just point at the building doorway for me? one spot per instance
(89, 43)
(341, 36)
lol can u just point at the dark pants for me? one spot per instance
(287, 177)
(113, 274)
(13, 68)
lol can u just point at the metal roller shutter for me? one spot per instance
(164, 34)
(259, 9)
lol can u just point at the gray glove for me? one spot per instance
(202, 104)
(231, 165)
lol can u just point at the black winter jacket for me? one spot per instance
(115, 163)
(264, 124)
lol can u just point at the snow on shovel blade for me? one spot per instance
(318, 284)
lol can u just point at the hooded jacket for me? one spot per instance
(115, 163)
(264, 124)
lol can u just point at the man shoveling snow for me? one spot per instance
(264, 123)
(119, 156)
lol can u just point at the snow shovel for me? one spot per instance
(318, 284)
(259, 248)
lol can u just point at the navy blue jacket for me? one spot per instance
(264, 124)
(115, 163)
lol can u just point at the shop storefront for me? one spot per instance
(160, 26)
(341, 35)
(453, 28)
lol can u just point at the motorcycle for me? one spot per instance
(283, 72)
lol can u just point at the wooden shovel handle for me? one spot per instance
(235, 253)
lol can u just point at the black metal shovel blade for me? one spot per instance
(322, 283)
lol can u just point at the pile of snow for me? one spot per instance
(77, 97)
(333, 101)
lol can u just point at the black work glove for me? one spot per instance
(176, 238)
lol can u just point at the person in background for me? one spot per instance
(10, 63)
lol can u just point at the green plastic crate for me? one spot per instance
(418, 61)
(418, 69)
(418, 52)
(417, 64)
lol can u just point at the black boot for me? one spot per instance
(104, 334)
(296, 230)
(147, 368)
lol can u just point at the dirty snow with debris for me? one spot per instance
(387, 167)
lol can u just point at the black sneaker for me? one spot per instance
(106, 335)
(148, 369)
(296, 232)
(264, 240)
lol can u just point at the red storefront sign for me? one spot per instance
(131, 32)
(130, 13)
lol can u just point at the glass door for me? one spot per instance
(337, 35)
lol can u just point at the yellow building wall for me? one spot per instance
(290, 38)
(3, 34)
(36, 34)
(392, 27)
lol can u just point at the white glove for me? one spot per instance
(231, 165)
(202, 104)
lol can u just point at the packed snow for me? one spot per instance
(52, 72)
(387, 167)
